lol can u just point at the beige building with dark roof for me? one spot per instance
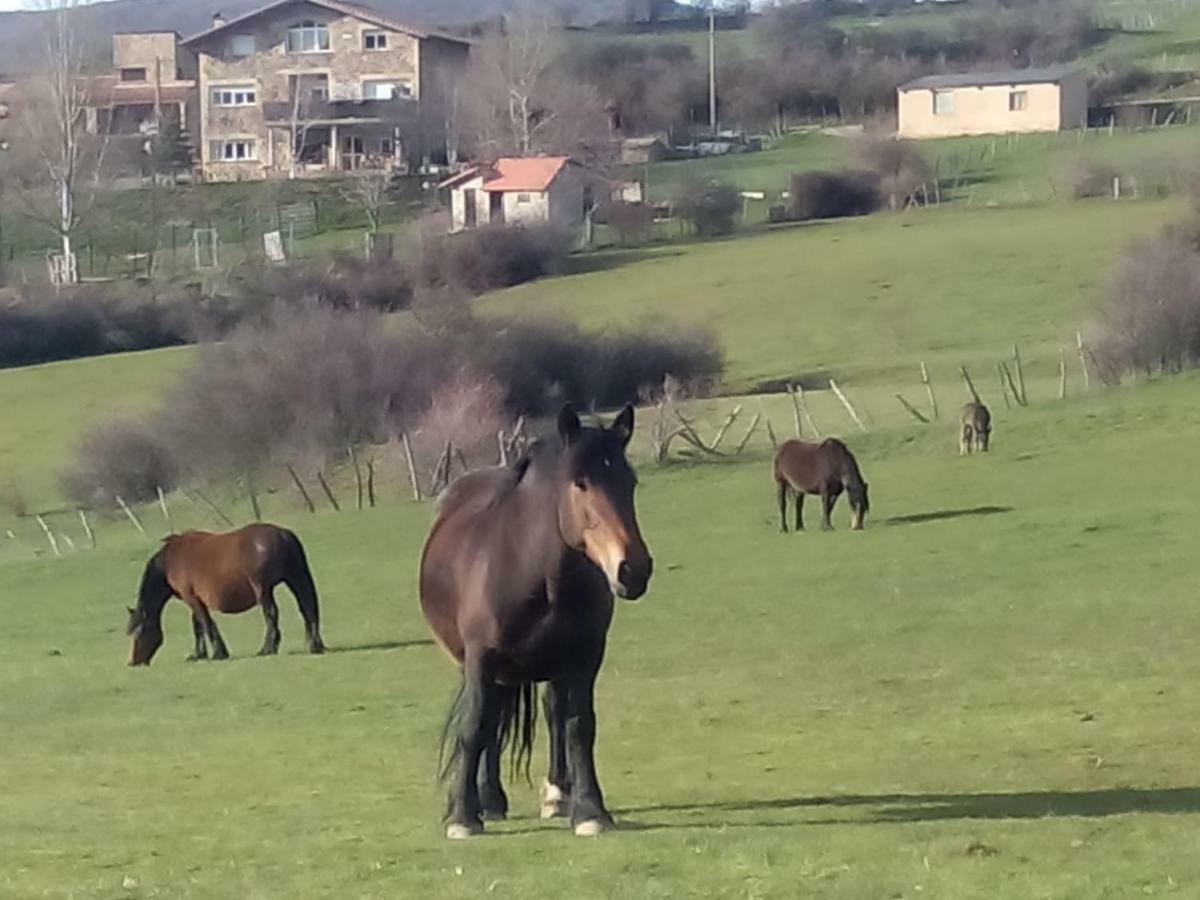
(1021, 100)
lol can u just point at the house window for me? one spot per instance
(375, 40)
(235, 95)
(138, 74)
(524, 198)
(386, 147)
(1018, 101)
(233, 151)
(308, 37)
(388, 89)
(242, 45)
(943, 103)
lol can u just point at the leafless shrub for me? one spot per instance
(1085, 177)
(123, 457)
(831, 195)
(1150, 321)
(711, 208)
(467, 413)
(902, 170)
(631, 221)
(485, 259)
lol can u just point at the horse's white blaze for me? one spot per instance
(590, 828)
(456, 832)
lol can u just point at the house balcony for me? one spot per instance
(339, 112)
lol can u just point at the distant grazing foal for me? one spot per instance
(228, 573)
(827, 469)
(975, 429)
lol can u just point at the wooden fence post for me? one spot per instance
(912, 410)
(371, 482)
(846, 403)
(1062, 373)
(129, 514)
(1003, 386)
(224, 518)
(812, 425)
(162, 504)
(87, 528)
(308, 502)
(1023, 398)
(327, 492)
(791, 389)
(49, 535)
(929, 390)
(359, 488)
(974, 394)
(1087, 382)
(412, 466)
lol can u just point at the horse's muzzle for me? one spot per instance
(632, 578)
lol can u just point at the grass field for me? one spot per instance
(984, 695)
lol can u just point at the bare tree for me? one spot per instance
(302, 89)
(61, 165)
(370, 191)
(518, 102)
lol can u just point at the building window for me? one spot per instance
(242, 45)
(1018, 101)
(308, 37)
(233, 151)
(943, 103)
(235, 95)
(375, 40)
(524, 198)
(388, 89)
(386, 147)
(138, 74)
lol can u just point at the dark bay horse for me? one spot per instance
(517, 582)
(975, 429)
(229, 573)
(826, 469)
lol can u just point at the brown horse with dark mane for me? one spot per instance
(826, 469)
(517, 582)
(228, 573)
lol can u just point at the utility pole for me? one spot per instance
(712, 67)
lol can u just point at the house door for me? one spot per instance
(352, 153)
(470, 210)
(496, 207)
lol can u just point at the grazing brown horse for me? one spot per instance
(827, 469)
(228, 573)
(517, 582)
(975, 432)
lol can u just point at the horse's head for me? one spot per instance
(596, 512)
(860, 505)
(147, 635)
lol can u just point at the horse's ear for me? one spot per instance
(569, 425)
(622, 425)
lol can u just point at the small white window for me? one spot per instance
(524, 198)
(235, 95)
(375, 40)
(233, 151)
(388, 89)
(242, 45)
(133, 74)
(943, 103)
(308, 37)
(1018, 101)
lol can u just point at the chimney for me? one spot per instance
(218, 20)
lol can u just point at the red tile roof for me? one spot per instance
(530, 173)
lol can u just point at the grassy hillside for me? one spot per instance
(981, 696)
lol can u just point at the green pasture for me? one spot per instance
(983, 695)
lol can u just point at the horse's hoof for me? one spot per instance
(316, 649)
(457, 832)
(495, 815)
(554, 804)
(590, 828)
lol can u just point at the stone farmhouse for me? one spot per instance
(312, 87)
(520, 191)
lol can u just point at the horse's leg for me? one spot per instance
(480, 721)
(783, 498)
(556, 790)
(301, 585)
(271, 614)
(220, 651)
(492, 799)
(828, 499)
(588, 813)
(201, 648)
(964, 441)
(799, 510)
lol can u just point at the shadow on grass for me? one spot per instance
(614, 258)
(935, 807)
(942, 515)
(381, 645)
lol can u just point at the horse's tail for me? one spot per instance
(517, 728)
(298, 577)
